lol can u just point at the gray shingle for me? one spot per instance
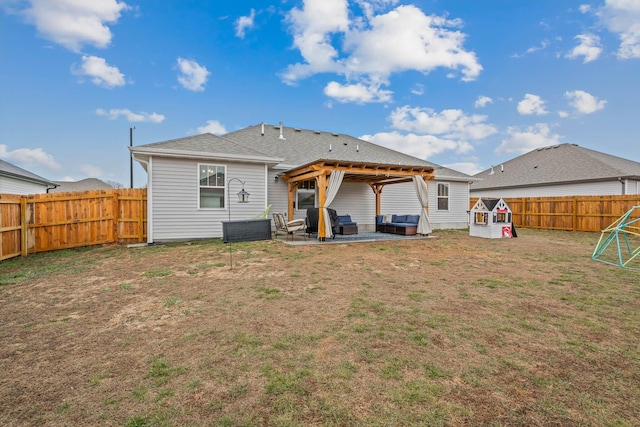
(557, 164)
(8, 169)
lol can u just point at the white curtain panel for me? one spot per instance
(424, 225)
(334, 185)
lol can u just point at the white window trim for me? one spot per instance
(226, 187)
(448, 197)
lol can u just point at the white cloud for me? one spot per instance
(584, 102)
(589, 48)
(358, 93)
(29, 157)
(244, 22)
(101, 73)
(531, 104)
(131, 116)
(451, 124)
(542, 46)
(193, 76)
(483, 101)
(584, 8)
(563, 114)
(523, 141)
(470, 168)
(212, 126)
(418, 89)
(420, 146)
(622, 17)
(74, 23)
(377, 45)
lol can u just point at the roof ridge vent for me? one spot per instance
(297, 129)
(317, 132)
(335, 134)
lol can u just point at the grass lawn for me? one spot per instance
(448, 331)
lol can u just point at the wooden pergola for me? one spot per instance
(376, 175)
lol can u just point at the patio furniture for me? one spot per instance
(397, 224)
(288, 227)
(347, 225)
(312, 221)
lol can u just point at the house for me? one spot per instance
(15, 180)
(559, 170)
(190, 179)
(490, 218)
(81, 185)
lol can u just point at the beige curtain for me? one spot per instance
(424, 225)
(332, 189)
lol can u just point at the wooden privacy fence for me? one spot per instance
(48, 222)
(571, 213)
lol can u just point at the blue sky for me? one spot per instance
(464, 84)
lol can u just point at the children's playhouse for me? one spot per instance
(491, 218)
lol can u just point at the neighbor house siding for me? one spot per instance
(17, 186)
(176, 194)
(602, 188)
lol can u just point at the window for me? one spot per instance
(443, 197)
(306, 195)
(481, 217)
(211, 186)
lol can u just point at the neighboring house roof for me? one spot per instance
(302, 146)
(206, 146)
(557, 164)
(13, 171)
(82, 185)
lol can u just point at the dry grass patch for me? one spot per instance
(453, 331)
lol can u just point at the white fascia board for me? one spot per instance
(204, 155)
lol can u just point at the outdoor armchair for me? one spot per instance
(288, 227)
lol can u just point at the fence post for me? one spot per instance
(24, 229)
(524, 207)
(141, 218)
(575, 214)
(116, 216)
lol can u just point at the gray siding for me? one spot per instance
(17, 186)
(175, 194)
(402, 199)
(602, 188)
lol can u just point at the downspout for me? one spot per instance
(149, 169)
(623, 185)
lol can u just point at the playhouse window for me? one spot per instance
(212, 185)
(503, 217)
(443, 197)
(481, 217)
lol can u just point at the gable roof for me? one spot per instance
(557, 164)
(303, 146)
(206, 145)
(82, 185)
(13, 171)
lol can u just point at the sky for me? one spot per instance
(464, 84)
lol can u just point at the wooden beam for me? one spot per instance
(322, 198)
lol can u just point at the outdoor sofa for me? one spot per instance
(397, 224)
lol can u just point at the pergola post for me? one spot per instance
(292, 189)
(321, 182)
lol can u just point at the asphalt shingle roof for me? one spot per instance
(303, 146)
(296, 147)
(8, 169)
(82, 185)
(557, 164)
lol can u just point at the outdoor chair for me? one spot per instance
(312, 221)
(288, 227)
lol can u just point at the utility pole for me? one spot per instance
(131, 154)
